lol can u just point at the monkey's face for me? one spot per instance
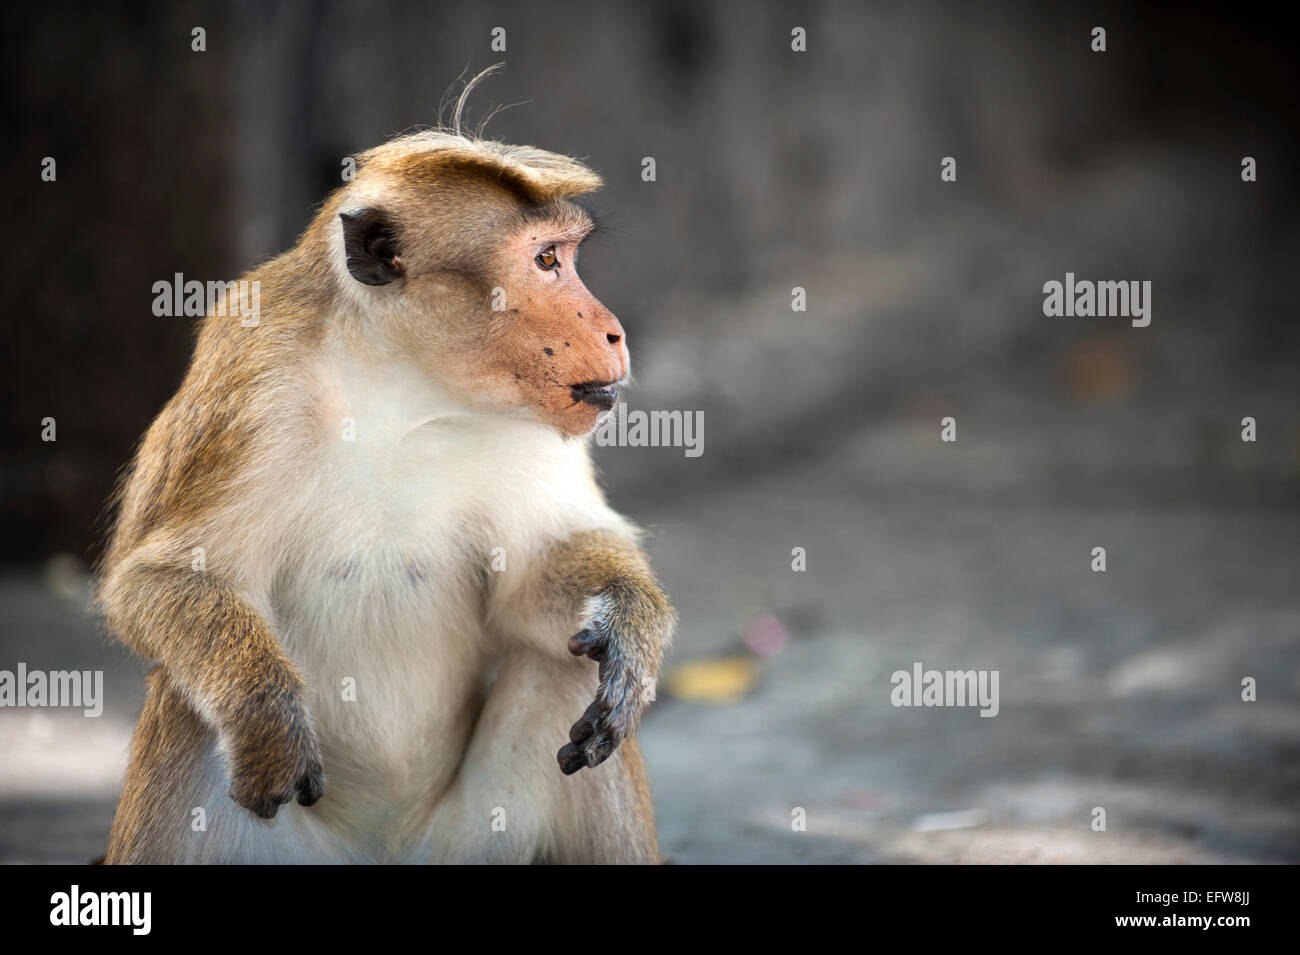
(495, 309)
(551, 345)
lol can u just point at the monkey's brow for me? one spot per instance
(563, 218)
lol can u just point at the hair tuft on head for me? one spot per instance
(459, 112)
(429, 154)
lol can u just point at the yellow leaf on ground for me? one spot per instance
(721, 681)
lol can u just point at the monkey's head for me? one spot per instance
(462, 254)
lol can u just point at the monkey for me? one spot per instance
(391, 616)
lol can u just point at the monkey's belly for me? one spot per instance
(394, 654)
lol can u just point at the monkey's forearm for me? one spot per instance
(212, 644)
(614, 579)
(606, 581)
(225, 661)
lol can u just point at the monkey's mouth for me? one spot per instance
(602, 394)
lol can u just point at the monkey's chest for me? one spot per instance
(388, 631)
(385, 612)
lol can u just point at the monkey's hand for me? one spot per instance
(275, 755)
(630, 625)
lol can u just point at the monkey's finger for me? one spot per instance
(590, 643)
(581, 730)
(310, 788)
(586, 724)
(264, 807)
(571, 759)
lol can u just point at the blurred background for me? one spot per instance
(775, 169)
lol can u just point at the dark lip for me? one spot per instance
(602, 394)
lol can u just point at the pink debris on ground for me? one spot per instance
(765, 636)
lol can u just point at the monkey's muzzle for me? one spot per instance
(602, 394)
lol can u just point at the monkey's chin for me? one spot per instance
(573, 422)
(582, 422)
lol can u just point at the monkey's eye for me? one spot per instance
(546, 259)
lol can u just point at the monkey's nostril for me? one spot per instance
(614, 339)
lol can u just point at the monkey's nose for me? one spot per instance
(613, 329)
(615, 338)
(608, 327)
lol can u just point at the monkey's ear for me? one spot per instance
(370, 242)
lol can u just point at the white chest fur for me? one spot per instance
(406, 506)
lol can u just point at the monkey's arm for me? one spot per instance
(604, 580)
(219, 652)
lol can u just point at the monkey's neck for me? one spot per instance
(386, 401)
